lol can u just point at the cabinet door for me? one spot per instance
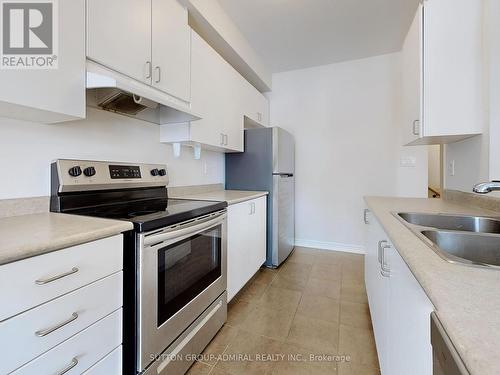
(171, 48)
(119, 36)
(208, 82)
(216, 96)
(452, 67)
(377, 288)
(51, 95)
(410, 349)
(255, 105)
(258, 229)
(246, 242)
(412, 81)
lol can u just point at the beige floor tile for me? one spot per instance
(218, 344)
(300, 361)
(247, 346)
(219, 371)
(350, 368)
(353, 292)
(359, 344)
(314, 334)
(355, 314)
(318, 307)
(324, 288)
(265, 275)
(237, 312)
(327, 271)
(199, 368)
(280, 299)
(252, 291)
(290, 282)
(274, 323)
(295, 270)
(302, 256)
(329, 257)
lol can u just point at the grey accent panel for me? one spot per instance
(265, 150)
(284, 218)
(283, 151)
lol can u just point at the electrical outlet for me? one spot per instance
(451, 168)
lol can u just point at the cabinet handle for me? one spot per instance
(251, 209)
(148, 69)
(158, 74)
(416, 127)
(54, 278)
(365, 215)
(225, 139)
(45, 332)
(380, 250)
(72, 364)
(384, 270)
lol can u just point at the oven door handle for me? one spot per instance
(181, 232)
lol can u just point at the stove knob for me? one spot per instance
(162, 172)
(75, 171)
(89, 171)
(155, 172)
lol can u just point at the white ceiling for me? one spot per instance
(294, 34)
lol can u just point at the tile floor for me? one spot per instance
(314, 304)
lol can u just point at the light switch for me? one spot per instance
(408, 161)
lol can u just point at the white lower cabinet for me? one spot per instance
(81, 351)
(246, 242)
(399, 308)
(62, 312)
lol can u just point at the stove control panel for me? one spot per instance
(84, 175)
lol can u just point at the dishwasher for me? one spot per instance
(446, 360)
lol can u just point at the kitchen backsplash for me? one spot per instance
(27, 149)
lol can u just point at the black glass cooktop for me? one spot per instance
(148, 215)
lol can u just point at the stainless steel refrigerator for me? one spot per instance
(268, 163)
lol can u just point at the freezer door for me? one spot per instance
(283, 220)
(283, 151)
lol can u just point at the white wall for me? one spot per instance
(435, 167)
(345, 121)
(27, 149)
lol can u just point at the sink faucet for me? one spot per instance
(486, 187)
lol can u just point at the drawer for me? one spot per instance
(81, 351)
(21, 336)
(33, 281)
(109, 365)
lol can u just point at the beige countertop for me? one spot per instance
(467, 299)
(229, 196)
(30, 235)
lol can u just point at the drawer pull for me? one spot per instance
(54, 278)
(73, 363)
(45, 332)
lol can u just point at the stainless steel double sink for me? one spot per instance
(470, 240)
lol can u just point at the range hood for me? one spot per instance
(112, 91)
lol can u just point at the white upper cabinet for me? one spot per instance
(119, 34)
(51, 95)
(215, 95)
(223, 98)
(442, 73)
(171, 48)
(148, 40)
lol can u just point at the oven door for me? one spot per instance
(182, 270)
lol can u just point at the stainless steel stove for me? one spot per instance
(174, 259)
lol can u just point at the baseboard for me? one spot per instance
(335, 246)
